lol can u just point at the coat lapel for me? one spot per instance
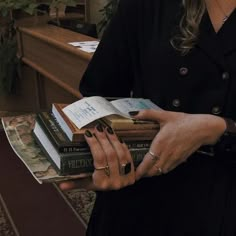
(227, 34)
(208, 41)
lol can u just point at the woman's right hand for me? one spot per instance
(113, 163)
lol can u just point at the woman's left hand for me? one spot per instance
(180, 135)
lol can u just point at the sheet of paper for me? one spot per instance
(86, 46)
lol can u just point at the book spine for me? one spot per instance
(59, 139)
(138, 144)
(64, 149)
(84, 163)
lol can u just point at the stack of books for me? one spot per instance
(60, 132)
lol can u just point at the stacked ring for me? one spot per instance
(159, 171)
(153, 156)
(105, 168)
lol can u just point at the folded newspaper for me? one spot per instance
(19, 133)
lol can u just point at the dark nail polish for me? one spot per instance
(99, 128)
(133, 113)
(110, 130)
(88, 133)
(120, 139)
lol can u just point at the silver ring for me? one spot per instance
(153, 156)
(159, 170)
(105, 168)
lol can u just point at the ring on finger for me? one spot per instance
(153, 156)
(125, 168)
(159, 171)
(106, 169)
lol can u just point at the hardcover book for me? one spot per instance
(62, 143)
(57, 136)
(75, 163)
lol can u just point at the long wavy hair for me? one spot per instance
(188, 32)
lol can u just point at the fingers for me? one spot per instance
(100, 161)
(121, 149)
(125, 166)
(146, 165)
(151, 114)
(84, 183)
(112, 161)
(163, 163)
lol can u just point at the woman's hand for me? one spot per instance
(113, 163)
(180, 135)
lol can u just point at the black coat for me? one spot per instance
(136, 54)
(135, 57)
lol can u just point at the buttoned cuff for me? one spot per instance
(227, 142)
(230, 127)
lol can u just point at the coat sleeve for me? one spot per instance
(109, 72)
(227, 142)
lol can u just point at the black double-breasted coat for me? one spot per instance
(135, 57)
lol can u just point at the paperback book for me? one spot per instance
(76, 134)
(115, 113)
(86, 113)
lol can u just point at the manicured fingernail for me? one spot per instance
(99, 128)
(120, 139)
(88, 134)
(133, 113)
(110, 130)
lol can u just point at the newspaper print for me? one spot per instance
(19, 133)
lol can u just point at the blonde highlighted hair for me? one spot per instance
(188, 31)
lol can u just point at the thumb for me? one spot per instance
(150, 114)
(83, 183)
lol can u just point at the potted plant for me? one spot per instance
(107, 13)
(9, 63)
(57, 8)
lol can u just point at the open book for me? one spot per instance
(114, 113)
(77, 135)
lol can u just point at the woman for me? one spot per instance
(181, 55)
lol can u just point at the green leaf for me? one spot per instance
(4, 12)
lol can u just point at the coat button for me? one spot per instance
(176, 103)
(183, 71)
(225, 76)
(216, 110)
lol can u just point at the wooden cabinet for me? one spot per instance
(51, 68)
(57, 66)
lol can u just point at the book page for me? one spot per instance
(90, 109)
(125, 105)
